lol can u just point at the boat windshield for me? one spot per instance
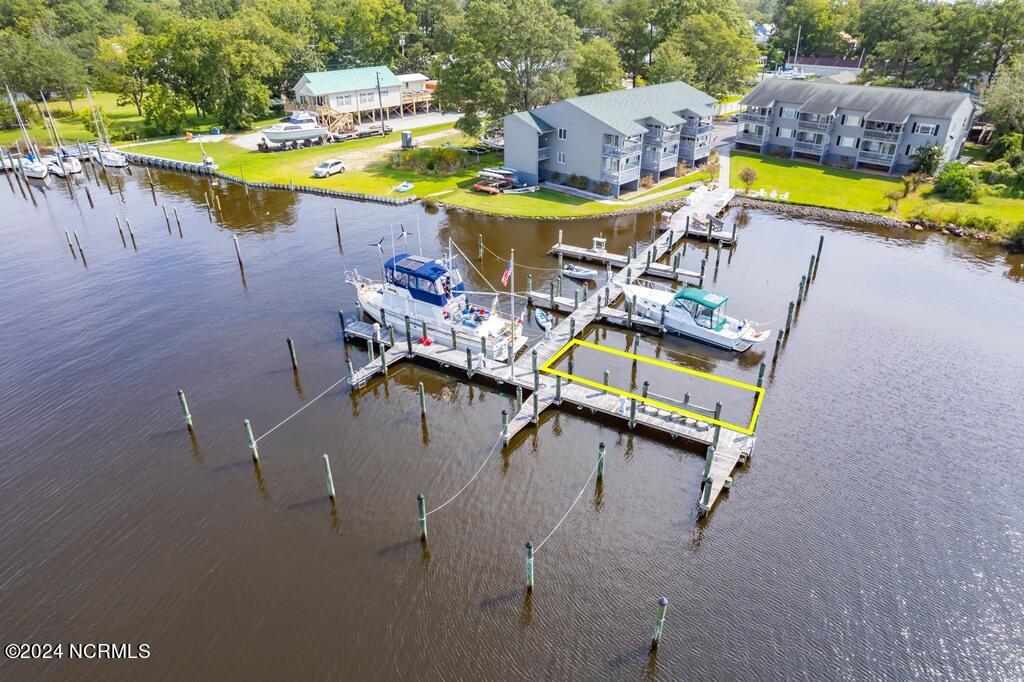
(702, 315)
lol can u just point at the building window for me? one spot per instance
(787, 112)
(562, 134)
(366, 98)
(851, 120)
(560, 157)
(926, 128)
(850, 142)
(784, 132)
(344, 100)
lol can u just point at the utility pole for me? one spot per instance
(796, 52)
(380, 104)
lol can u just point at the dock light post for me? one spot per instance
(659, 625)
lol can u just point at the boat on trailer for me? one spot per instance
(695, 313)
(432, 292)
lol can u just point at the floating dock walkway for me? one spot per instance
(726, 448)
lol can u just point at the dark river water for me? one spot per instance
(875, 534)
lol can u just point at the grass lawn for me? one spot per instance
(692, 176)
(297, 165)
(124, 120)
(1008, 211)
(543, 203)
(810, 183)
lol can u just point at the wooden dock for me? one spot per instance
(638, 265)
(698, 219)
(543, 391)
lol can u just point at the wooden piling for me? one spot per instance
(821, 242)
(252, 441)
(469, 362)
(341, 321)
(178, 221)
(703, 270)
(789, 316)
(291, 353)
(606, 375)
(778, 344)
(421, 504)
(632, 412)
(480, 247)
(423, 399)
(71, 246)
(167, 219)
(659, 625)
(79, 244)
(383, 360)
(600, 462)
(519, 398)
(636, 347)
(810, 273)
(351, 371)
(408, 334)
(675, 262)
(328, 478)
(504, 426)
(337, 224)
(184, 409)
(88, 195)
(529, 567)
(718, 427)
(558, 390)
(576, 299)
(760, 375)
(238, 253)
(800, 292)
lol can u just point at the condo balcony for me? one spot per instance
(543, 153)
(696, 129)
(747, 117)
(744, 137)
(813, 125)
(621, 176)
(660, 162)
(808, 147)
(661, 137)
(620, 150)
(890, 135)
(876, 157)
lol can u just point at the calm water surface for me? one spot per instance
(876, 533)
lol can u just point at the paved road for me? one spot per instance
(724, 133)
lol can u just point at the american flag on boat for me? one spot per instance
(505, 276)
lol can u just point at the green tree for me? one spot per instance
(599, 69)
(748, 176)
(593, 17)
(961, 28)
(633, 35)
(818, 22)
(166, 112)
(122, 65)
(724, 59)
(1005, 28)
(671, 63)
(509, 56)
(246, 95)
(1004, 100)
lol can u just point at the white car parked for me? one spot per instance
(328, 168)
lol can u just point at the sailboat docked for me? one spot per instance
(432, 292)
(695, 313)
(102, 152)
(26, 163)
(60, 162)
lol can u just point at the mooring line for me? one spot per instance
(481, 468)
(566, 515)
(520, 265)
(326, 390)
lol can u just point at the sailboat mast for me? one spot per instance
(512, 303)
(21, 123)
(418, 237)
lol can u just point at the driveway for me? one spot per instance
(252, 140)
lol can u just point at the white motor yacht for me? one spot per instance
(300, 126)
(696, 313)
(433, 292)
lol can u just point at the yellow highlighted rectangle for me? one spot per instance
(758, 391)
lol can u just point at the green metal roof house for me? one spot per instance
(355, 91)
(612, 137)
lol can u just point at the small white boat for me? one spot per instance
(696, 313)
(543, 321)
(109, 158)
(31, 168)
(302, 125)
(579, 272)
(61, 165)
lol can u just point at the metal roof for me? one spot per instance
(893, 105)
(531, 119)
(331, 82)
(416, 265)
(622, 109)
(406, 77)
(708, 299)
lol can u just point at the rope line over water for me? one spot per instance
(566, 515)
(326, 390)
(481, 468)
(518, 265)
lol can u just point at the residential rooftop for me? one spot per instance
(892, 105)
(347, 80)
(623, 109)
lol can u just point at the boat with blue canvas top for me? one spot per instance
(432, 291)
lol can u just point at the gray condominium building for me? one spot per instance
(612, 137)
(853, 125)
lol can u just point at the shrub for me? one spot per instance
(1017, 237)
(894, 196)
(604, 188)
(682, 168)
(927, 159)
(27, 109)
(1015, 158)
(646, 181)
(579, 181)
(748, 176)
(956, 182)
(555, 177)
(1004, 145)
(432, 160)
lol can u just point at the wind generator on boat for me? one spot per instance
(433, 292)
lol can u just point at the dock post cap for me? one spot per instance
(529, 545)
(419, 497)
(663, 601)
